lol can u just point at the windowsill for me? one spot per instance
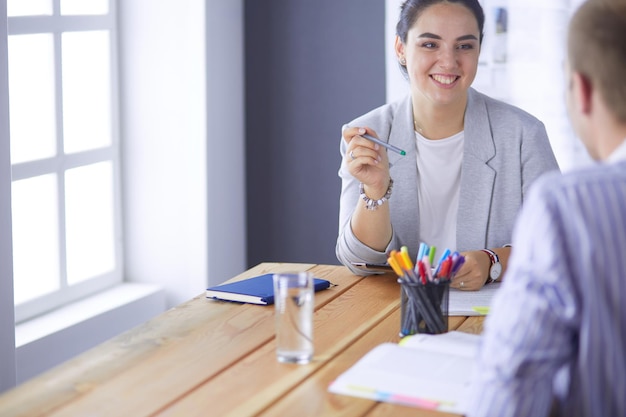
(48, 340)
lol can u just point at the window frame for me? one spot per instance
(56, 25)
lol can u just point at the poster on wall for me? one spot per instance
(494, 46)
(498, 52)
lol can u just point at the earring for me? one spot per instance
(402, 61)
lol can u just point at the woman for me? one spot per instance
(469, 158)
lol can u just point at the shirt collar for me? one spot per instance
(619, 154)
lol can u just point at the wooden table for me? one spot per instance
(213, 358)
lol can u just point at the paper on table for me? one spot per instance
(449, 343)
(471, 303)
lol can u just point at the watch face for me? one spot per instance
(495, 271)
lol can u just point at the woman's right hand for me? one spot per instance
(367, 161)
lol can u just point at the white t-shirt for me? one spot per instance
(438, 184)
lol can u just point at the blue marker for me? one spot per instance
(422, 251)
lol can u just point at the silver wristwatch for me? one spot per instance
(496, 267)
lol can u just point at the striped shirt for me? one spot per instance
(557, 327)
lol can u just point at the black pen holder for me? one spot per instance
(423, 307)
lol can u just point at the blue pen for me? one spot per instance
(444, 256)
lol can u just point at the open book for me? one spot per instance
(426, 371)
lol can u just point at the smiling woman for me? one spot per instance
(440, 59)
(469, 162)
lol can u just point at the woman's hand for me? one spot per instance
(474, 272)
(367, 161)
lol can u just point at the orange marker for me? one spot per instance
(393, 262)
(406, 259)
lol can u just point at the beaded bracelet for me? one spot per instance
(371, 204)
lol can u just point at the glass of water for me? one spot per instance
(293, 300)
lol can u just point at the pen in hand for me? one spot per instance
(385, 144)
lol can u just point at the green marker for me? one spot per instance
(431, 255)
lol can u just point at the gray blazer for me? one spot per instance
(505, 150)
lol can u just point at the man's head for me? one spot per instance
(597, 68)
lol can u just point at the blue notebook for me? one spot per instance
(256, 290)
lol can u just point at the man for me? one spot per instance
(556, 336)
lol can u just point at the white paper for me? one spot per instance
(471, 303)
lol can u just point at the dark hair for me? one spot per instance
(597, 49)
(412, 9)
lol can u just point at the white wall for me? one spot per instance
(537, 53)
(182, 131)
(7, 334)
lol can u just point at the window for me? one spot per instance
(64, 151)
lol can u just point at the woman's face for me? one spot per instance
(441, 53)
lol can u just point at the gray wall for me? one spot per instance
(7, 334)
(311, 66)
